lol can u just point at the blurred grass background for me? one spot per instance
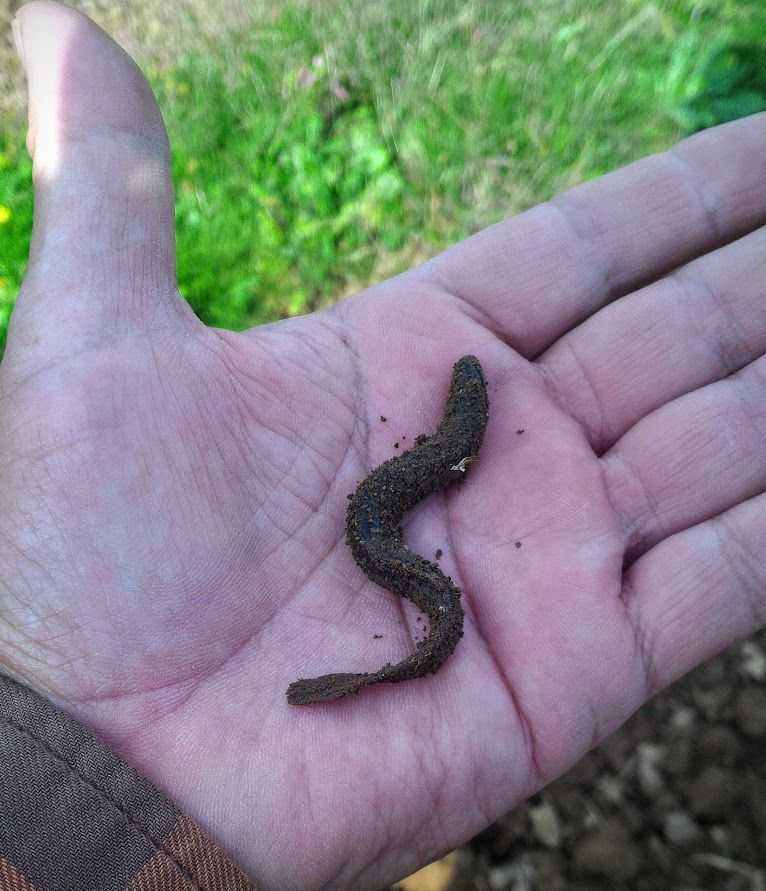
(317, 147)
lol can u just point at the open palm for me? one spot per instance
(172, 498)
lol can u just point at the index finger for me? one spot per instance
(533, 277)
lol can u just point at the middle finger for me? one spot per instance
(699, 324)
(690, 460)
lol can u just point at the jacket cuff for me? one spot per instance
(73, 815)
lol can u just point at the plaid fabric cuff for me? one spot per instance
(74, 817)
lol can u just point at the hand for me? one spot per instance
(172, 497)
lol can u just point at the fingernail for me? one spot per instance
(18, 40)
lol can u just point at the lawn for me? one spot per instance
(325, 146)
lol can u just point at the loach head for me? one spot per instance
(469, 368)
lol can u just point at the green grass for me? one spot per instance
(15, 219)
(333, 144)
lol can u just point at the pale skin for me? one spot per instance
(172, 497)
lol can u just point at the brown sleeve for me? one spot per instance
(74, 817)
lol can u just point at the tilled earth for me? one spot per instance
(675, 799)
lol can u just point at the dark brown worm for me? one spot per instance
(372, 532)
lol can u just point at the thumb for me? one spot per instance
(103, 245)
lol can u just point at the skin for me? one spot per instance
(372, 532)
(172, 497)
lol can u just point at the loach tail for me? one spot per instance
(324, 688)
(427, 658)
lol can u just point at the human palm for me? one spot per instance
(173, 497)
